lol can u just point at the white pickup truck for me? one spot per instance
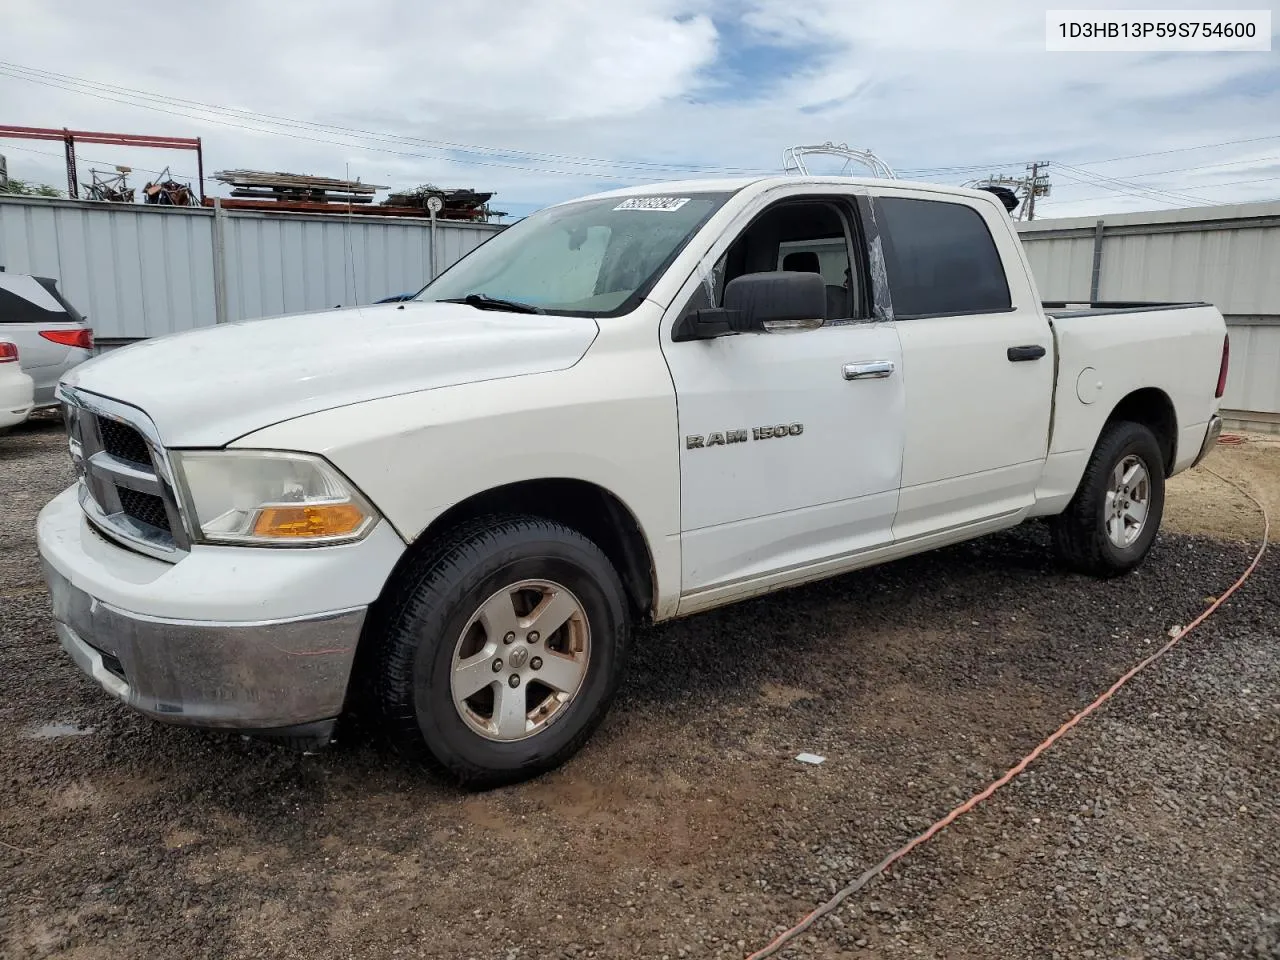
(635, 406)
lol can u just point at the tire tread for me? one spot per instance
(1078, 542)
(423, 586)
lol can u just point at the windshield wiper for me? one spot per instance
(482, 301)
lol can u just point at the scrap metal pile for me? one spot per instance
(110, 187)
(460, 204)
(258, 190)
(295, 188)
(168, 192)
(276, 191)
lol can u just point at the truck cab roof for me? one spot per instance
(764, 183)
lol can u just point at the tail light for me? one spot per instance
(82, 338)
(8, 352)
(1222, 369)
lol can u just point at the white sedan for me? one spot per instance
(16, 388)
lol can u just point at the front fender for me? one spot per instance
(609, 421)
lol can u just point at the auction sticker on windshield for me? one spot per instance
(660, 204)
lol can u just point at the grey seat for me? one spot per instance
(806, 261)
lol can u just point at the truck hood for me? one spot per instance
(208, 387)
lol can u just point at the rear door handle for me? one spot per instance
(1032, 351)
(868, 370)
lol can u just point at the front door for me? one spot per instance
(790, 442)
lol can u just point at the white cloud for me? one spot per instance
(926, 84)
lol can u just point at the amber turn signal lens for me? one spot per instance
(320, 520)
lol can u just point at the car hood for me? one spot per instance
(210, 386)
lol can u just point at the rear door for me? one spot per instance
(977, 358)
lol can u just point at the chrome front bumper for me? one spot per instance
(251, 676)
(1211, 436)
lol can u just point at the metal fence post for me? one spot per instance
(1095, 281)
(219, 263)
(435, 258)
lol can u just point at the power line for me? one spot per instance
(1206, 166)
(1122, 184)
(1207, 203)
(235, 118)
(1208, 186)
(36, 76)
(1140, 192)
(360, 146)
(1161, 153)
(1132, 156)
(159, 102)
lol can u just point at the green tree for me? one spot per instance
(23, 188)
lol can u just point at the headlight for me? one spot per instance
(263, 497)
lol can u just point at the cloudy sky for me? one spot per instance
(541, 100)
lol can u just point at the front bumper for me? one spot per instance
(1211, 436)
(276, 673)
(242, 659)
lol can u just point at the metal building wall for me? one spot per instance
(1227, 255)
(138, 271)
(1062, 265)
(133, 271)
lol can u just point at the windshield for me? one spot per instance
(592, 258)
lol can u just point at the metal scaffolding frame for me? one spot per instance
(70, 138)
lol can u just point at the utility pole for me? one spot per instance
(1037, 185)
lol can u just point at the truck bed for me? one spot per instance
(1110, 350)
(1083, 308)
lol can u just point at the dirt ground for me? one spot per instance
(1200, 503)
(686, 828)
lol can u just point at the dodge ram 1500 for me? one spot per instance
(634, 406)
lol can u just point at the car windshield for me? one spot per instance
(591, 258)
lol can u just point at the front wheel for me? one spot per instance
(1111, 522)
(504, 648)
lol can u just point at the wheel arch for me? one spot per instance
(1151, 407)
(592, 510)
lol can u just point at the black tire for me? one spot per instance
(1080, 534)
(433, 601)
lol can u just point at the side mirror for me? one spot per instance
(776, 301)
(706, 323)
(759, 303)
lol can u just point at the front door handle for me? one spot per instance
(1032, 351)
(868, 370)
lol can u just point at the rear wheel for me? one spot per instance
(1111, 522)
(503, 650)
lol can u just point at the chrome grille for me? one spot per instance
(126, 484)
(122, 441)
(144, 507)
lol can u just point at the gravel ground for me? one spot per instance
(685, 828)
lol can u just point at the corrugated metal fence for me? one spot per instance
(1227, 255)
(138, 271)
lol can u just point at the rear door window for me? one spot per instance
(940, 259)
(27, 299)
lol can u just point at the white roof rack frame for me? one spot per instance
(793, 159)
